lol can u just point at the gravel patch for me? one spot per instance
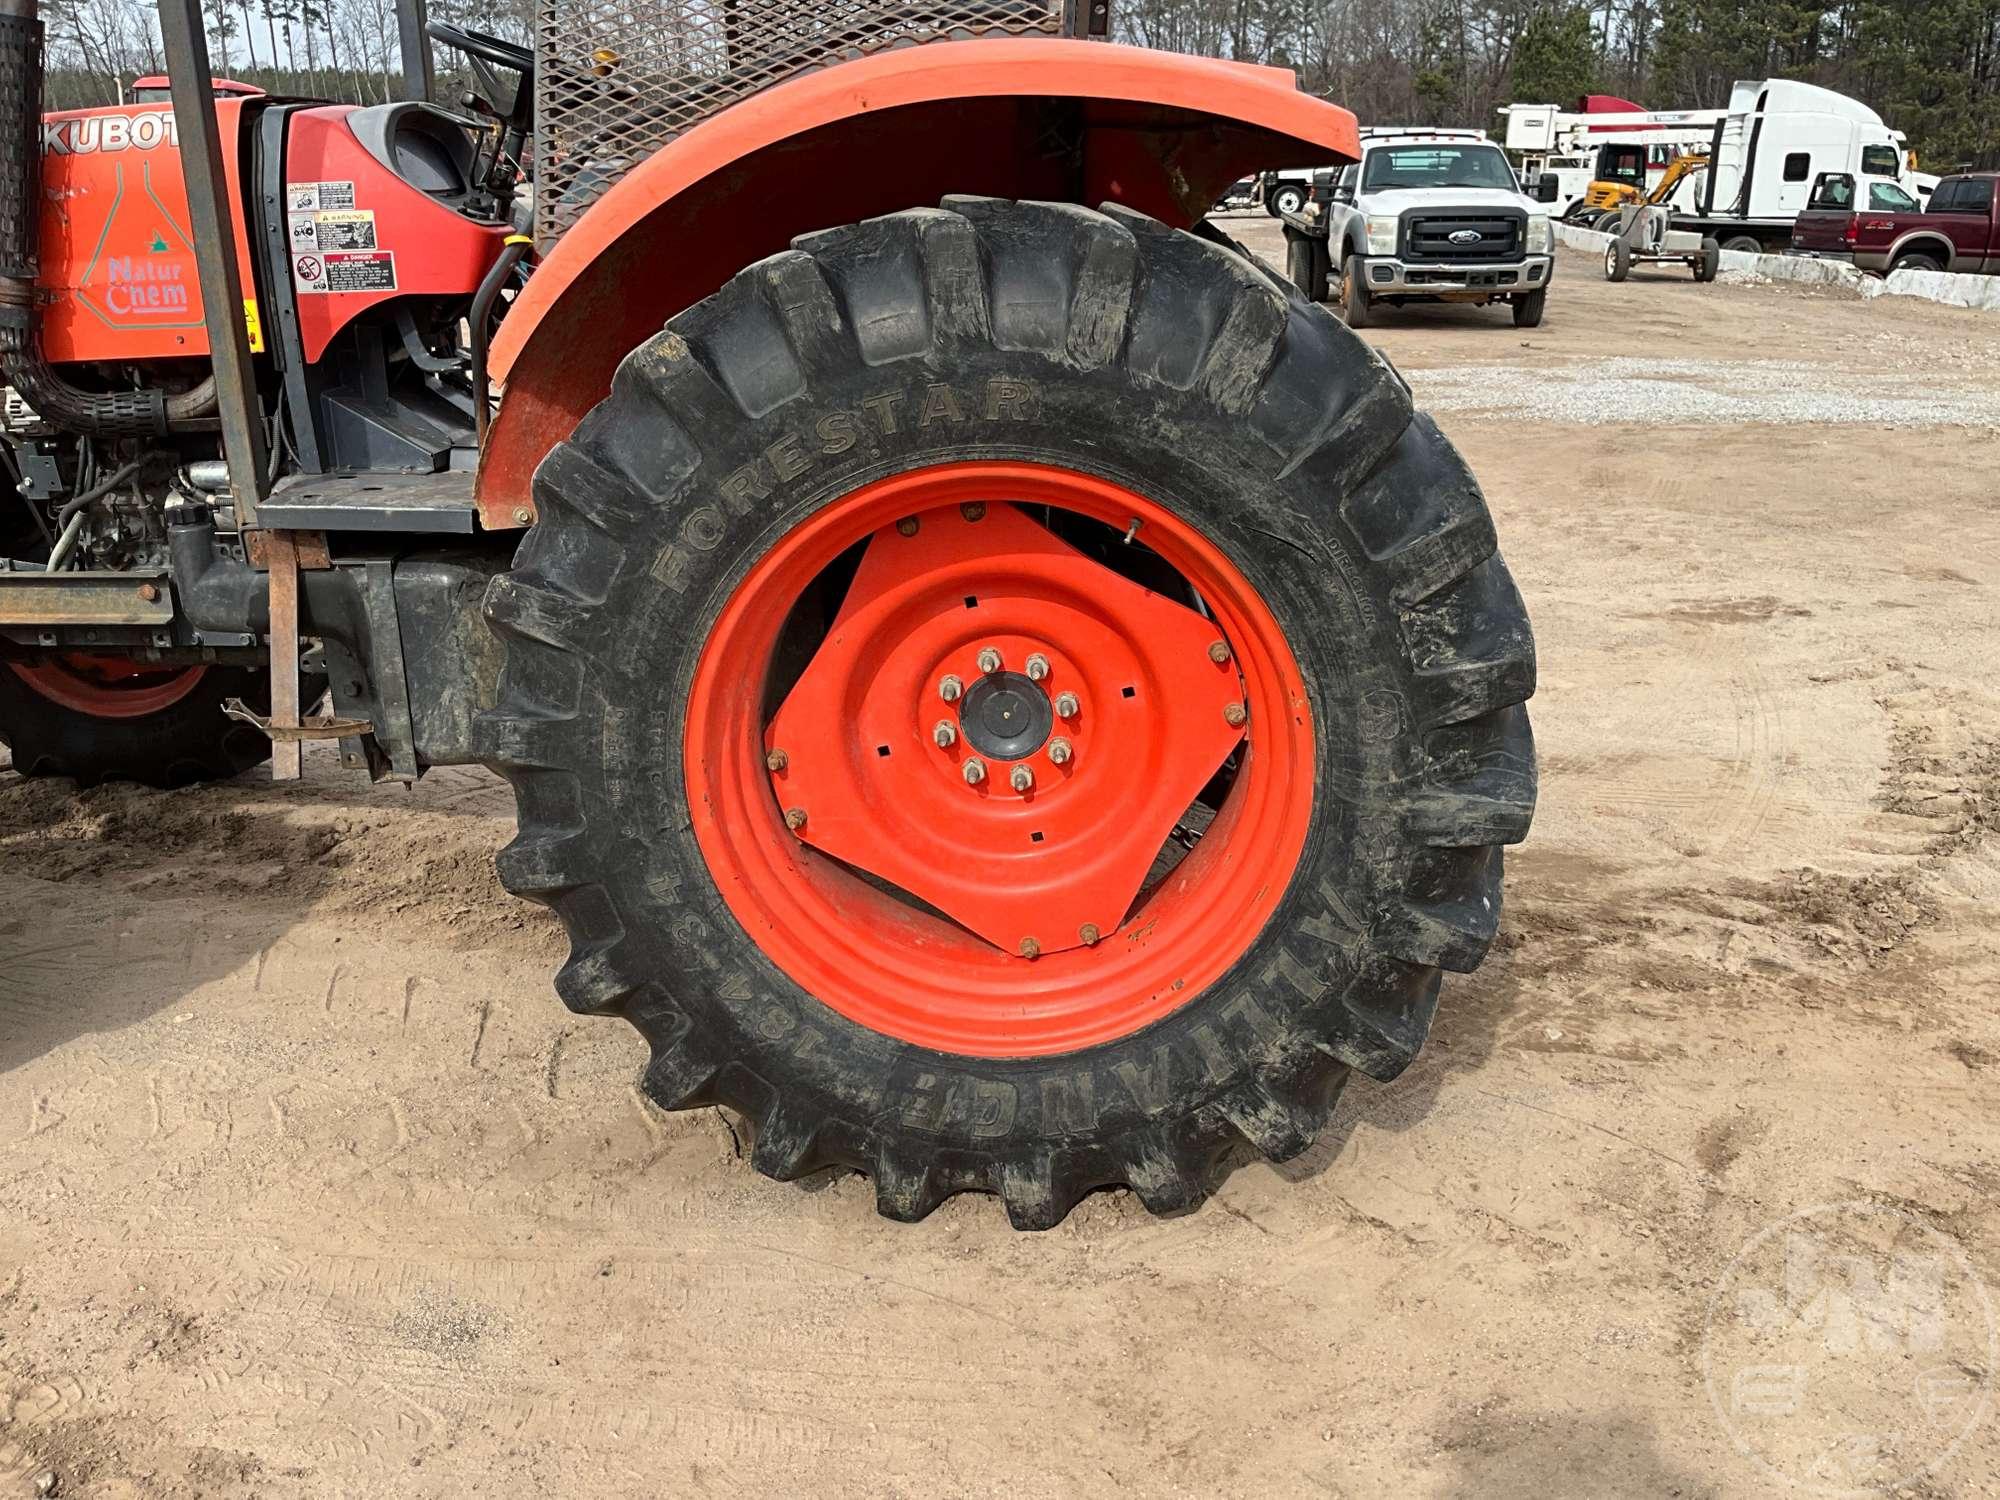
(1629, 389)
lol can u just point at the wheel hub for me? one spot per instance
(886, 736)
(1006, 716)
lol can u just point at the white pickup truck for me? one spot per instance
(1424, 216)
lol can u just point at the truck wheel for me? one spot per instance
(1916, 261)
(1617, 261)
(1710, 263)
(1287, 198)
(1528, 309)
(1137, 887)
(1355, 303)
(1305, 264)
(1744, 244)
(102, 718)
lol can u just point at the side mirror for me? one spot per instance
(1546, 188)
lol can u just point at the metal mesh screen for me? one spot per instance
(617, 79)
(20, 165)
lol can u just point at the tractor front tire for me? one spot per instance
(1150, 437)
(99, 719)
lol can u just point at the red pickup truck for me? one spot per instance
(1879, 227)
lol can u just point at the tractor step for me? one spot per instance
(372, 502)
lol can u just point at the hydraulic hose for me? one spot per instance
(511, 250)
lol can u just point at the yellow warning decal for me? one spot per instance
(254, 324)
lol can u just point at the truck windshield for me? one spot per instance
(1436, 165)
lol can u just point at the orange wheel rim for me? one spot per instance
(107, 687)
(995, 915)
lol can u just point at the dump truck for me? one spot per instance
(1002, 693)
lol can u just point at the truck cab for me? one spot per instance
(1777, 139)
(1436, 216)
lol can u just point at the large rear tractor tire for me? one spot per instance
(99, 718)
(1009, 698)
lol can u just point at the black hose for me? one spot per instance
(97, 491)
(511, 250)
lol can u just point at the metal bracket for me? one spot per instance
(329, 728)
(282, 561)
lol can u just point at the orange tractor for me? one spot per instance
(1003, 693)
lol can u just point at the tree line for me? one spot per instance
(1931, 67)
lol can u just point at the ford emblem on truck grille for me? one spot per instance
(1465, 236)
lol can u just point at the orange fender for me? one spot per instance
(1072, 121)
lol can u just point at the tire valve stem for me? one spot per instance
(950, 688)
(1021, 779)
(795, 818)
(974, 770)
(1235, 715)
(1030, 948)
(946, 734)
(1037, 667)
(1060, 750)
(1218, 652)
(776, 760)
(1066, 705)
(989, 660)
(1131, 531)
(1089, 933)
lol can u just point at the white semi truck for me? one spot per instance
(1764, 152)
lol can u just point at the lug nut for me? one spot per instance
(989, 660)
(1030, 948)
(946, 734)
(1088, 932)
(795, 818)
(973, 510)
(974, 770)
(776, 760)
(1218, 652)
(1066, 705)
(950, 688)
(907, 526)
(1060, 750)
(1235, 714)
(1021, 779)
(1037, 667)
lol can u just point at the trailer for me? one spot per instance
(1002, 694)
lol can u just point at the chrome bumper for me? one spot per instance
(1385, 276)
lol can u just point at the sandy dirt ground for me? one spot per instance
(309, 1186)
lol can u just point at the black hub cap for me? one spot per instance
(1005, 716)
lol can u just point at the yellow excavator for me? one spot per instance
(1608, 194)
